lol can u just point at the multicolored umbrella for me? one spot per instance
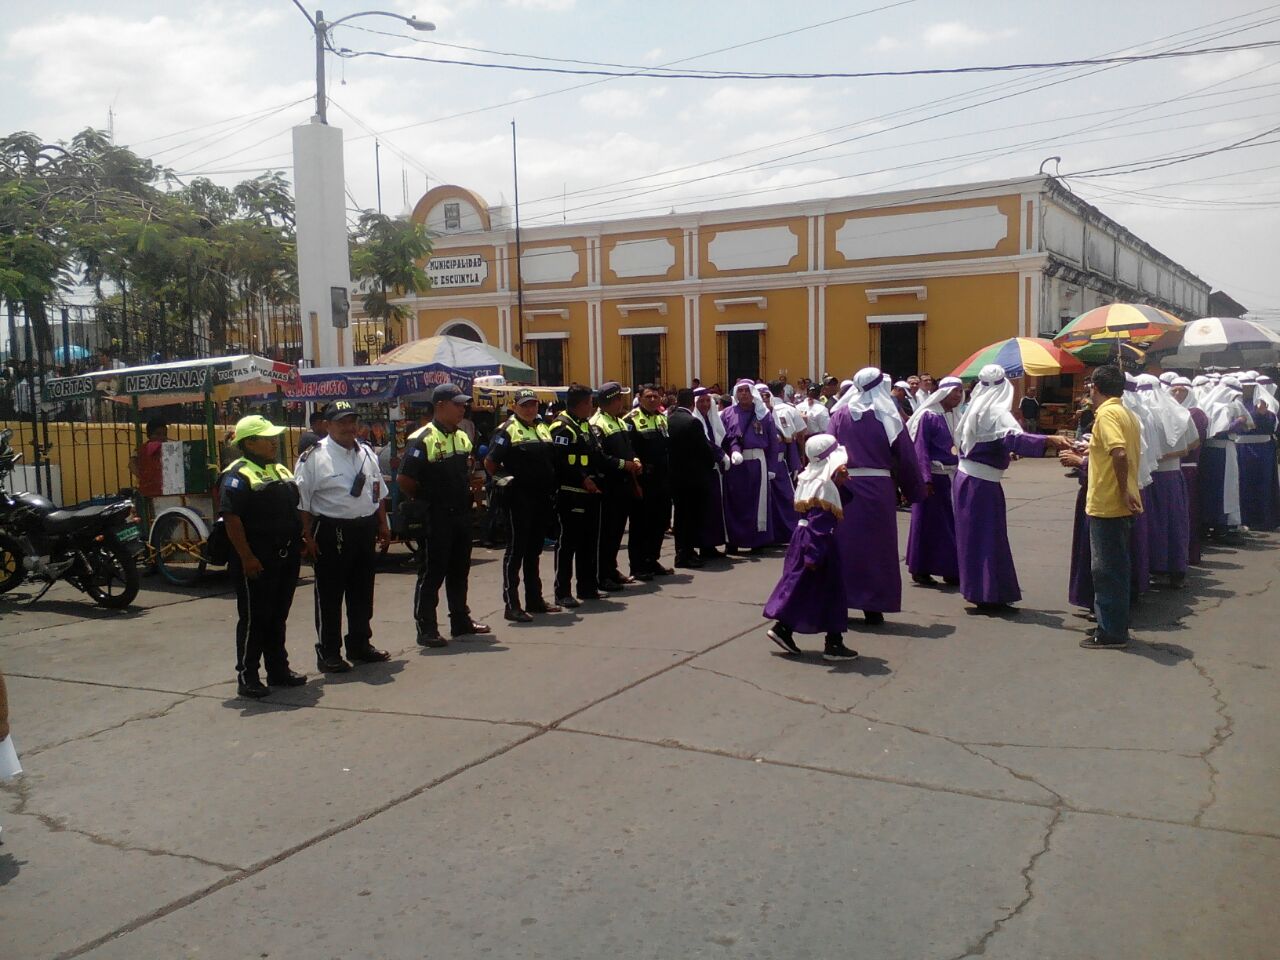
(477, 359)
(1217, 342)
(1135, 322)
(1021, 356)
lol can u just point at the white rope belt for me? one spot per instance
(1169, 466)
(762, 503)
(868, 472)
(942, 469)
(1251, 438)
(973, 468)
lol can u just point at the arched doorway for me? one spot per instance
(463, 331)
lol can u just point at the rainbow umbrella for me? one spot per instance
(1095, 329)
(1021, 356)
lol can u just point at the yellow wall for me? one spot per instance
(611, 321)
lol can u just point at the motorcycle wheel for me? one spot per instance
(11, 569)
(112, 580)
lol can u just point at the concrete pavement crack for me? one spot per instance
(1221, 734)
(150, 715)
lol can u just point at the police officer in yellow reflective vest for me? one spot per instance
(577, 459)
(520, 460)
(435, 477)
(258, 502)
(619, 467)
(651, 513)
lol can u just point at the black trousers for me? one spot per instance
(445, 559)
(578, 543)
(528, 519)
(615, 504)
(262, 604)
(650, 517)
(689, 502)
(345, 558)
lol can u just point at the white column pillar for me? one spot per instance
(321, 220)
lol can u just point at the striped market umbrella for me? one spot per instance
(1021, 356)
(1135, 322)
(1217, 342)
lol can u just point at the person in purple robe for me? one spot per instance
(882, 463)
(781, 489)
(711, 533)
(1259, 490)
(1182, 391)
(1219, 460)
(987, 437)
(749, 438)
(1165, 499)
(809, 597)
(931, 545)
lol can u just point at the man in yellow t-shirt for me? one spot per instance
(1111, 502)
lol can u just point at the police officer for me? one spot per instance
(618, 469)
(651, 513)
(520, 460)
(577, 459)
(343, 520)
(258, 502)
(435, 478)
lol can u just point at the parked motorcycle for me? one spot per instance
(94, 548)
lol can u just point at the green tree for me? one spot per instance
(385, 257)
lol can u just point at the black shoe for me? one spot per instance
(691, 562)
(730, 551)
(594, 595)
(923, 579)
(610, 586)
(996, 607)
(660, 571)
(568, 603)
(836, 650)
(289, 679)
(781, 635)
(430, 637)
(872, 618)
(473, 628)
(643, 576)
(1097, 641)
(369, 655)
(712, 554)
(516, 615)
(253, 689)
(951, 581)
(332, 664)
(541, 606)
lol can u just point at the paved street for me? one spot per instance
(650, 780)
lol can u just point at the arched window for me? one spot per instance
(463, 331)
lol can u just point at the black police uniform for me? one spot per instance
(527, 473)
(577, 459)
(651, 513)
(618, 489)
(265, 498)
(439, 461)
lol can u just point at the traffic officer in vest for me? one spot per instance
(520, 460)
(343, 521)
(258, 502)
(577, 459)
(435, 478)
(651, 512)
(618, 470)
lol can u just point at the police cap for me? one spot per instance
(450, 392)
(339, 409)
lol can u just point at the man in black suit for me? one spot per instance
(692, 463)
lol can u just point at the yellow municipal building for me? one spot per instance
(908, 281)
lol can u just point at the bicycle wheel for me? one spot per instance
(177, 542)
(12, 572)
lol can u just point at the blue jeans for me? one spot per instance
(1109, 563)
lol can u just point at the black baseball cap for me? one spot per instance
(524, 396)
(339, 409)
(608, 391)
(449, 391)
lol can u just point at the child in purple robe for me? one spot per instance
(809, 598)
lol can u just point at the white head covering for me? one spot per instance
(870, 394)
(761, 409)
(902, 385)
(1167, 378)
(1148, 431)
(712, 418)
(1224, 404)
(1265, 394)
(786, 417)
(933, 404)
(990, 412)
(845, 387)
(1200, 387)
(1176, 431)
(1190, 400)
(815, 486)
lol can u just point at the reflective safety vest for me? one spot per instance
(440, 445)
(257, 476)
(517, 432)
(606, 423)
(579, 431)
(648, 422)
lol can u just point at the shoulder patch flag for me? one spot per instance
(562, 440)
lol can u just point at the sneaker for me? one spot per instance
(782, 637)
(369, 655)
(1097, 641)
(836, 650)
(568, 603)
(252, 689)
(541, 606)
(289, 679)
(430, 637)
(332, 664)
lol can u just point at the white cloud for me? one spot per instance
(1222, 66)
(738, 100)
(886, 44)
(551, 6)
(615, 103)
(653, 56)
(956, 34)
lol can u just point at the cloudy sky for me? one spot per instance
(212, 89)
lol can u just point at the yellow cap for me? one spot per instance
(255, 426)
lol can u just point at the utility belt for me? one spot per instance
(973, 468)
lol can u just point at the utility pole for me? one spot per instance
(322, 107)
(515, 172)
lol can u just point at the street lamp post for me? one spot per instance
(324, 269)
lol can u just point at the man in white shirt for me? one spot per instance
(343, 520)
(815, 413)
